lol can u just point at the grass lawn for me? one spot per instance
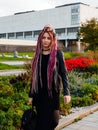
(9, 67)
(12, 59)
(21, 56)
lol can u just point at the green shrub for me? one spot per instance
(82, 101)
(93, 68)
(70, 55)
(64, 108)
(79, 82)
(6, 103)
(91, 91)
(13, 101)
(21, 82)
(6, 90)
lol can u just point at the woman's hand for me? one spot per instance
(30, 100)
(67, 99)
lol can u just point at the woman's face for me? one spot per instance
(46, 41)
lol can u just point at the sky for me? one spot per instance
(9, 7)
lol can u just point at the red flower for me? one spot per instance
(77, 63)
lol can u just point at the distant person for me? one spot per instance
(15, 54)
(3, 55)
(47, 68)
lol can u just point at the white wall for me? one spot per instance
(87, 13)
(58, 17)
(17, 42)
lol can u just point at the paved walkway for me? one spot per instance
(11, 72)
(88, 116)
(87, 123)
(16, 63)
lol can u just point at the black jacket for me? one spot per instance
(62, 71)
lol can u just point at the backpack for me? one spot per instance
(29, 120)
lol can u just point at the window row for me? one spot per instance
(32, 35)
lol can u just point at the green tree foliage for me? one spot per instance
(88, 33)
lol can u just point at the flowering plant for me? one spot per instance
(78, 63)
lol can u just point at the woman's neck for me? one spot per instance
(46, 51)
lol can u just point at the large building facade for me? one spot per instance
(66, 19)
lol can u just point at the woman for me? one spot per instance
(47, 67)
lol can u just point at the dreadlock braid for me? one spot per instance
(38, 58)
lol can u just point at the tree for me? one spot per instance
(88, 33)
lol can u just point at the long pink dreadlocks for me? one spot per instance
(37, 58)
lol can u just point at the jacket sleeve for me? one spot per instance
(63, 73)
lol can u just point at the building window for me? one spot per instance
(3, 35)
(60, 32)
(36, 33)
(11, 36)
(75, 9)
(19, 35)
(74, 19)
(75, 14)
(28, 35)
(72, 30)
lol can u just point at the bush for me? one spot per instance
(64, 108)
(21, 82)
(13, 101)
(91, 91)
(82, 101)
(93, 68)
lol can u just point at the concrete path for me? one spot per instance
(16, 63)
(87, 123)
(88, 120)
(11, 72)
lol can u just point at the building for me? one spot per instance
(10, 45)
(66, 19)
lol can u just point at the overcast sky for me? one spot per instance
(9, 7)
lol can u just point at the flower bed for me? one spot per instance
(78, 63)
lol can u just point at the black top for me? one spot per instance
(44, 65)
(43, 90)
(61, 68)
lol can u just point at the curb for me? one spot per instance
(76, 116)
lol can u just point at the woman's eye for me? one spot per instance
(48, 38)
